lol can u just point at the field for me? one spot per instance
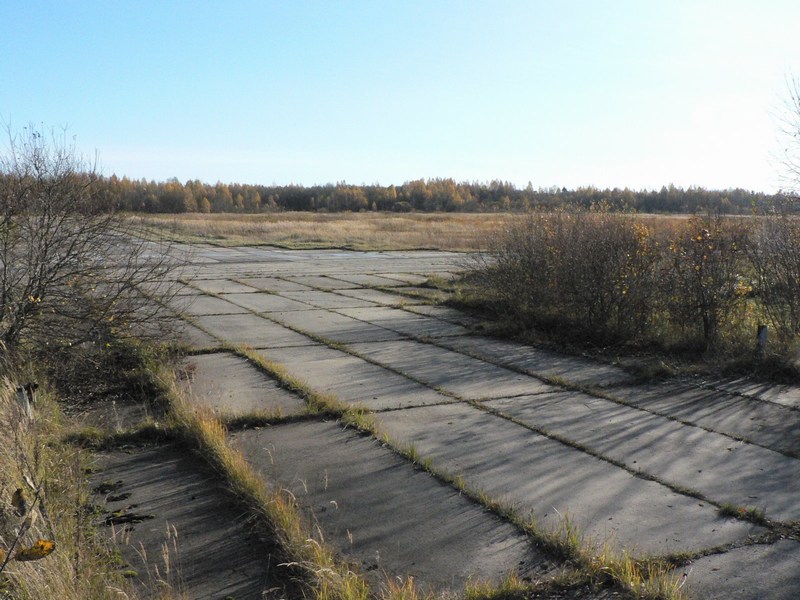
(356, 231)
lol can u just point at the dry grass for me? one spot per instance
(356, 231)
(303, 553)
(81, 567)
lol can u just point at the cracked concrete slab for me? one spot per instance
(336, 327)
(406, 278)
(273, 284)
(351, 379)
(383, 514)
(193, 336)
(444, 369)
(576, 370)
(532, 472)
(231, 386)
(208, 305)
(326, 299)
(366, 279)
(263, 302)
(722, 469)
(221, 286)
(322, 282)
(404, 322)
(379, 297)
(750, 573)
(429, 294)
(251, 330)
(785, 395)
(771, 425)
(445, 313)
(217, 555)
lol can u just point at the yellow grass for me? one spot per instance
(82, 566)
(356, 231)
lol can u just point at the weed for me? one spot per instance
(752, 514)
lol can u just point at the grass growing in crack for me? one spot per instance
(752, 514)
(511, 586)
(648, 579)
(316, 403)
(642, 578)
(299, 551)
(92, 438)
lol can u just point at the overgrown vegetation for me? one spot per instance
(46, 509)
(356, 231)
(697, 286)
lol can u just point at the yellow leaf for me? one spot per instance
(2, 555)
(39, 550)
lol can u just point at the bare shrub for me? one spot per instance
(592, 270)
(706, 275)
(774, 252)
(71, 269)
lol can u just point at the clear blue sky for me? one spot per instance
(610, 93)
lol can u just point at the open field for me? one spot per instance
(357, 231)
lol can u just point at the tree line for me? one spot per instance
(431, 195)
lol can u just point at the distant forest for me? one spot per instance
(430, 195)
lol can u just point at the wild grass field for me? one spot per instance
(355, 231)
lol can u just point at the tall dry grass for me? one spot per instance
(358, 231)
(53, 478)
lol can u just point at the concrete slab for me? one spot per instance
(405, 322)
(536, 361)
(215, 557)
(532, 472)
(444, 369)
(209, 305)
(322, 282)
(231, 386)
(174, 329)
(749, 573)
(445, 313)
(194, 337)
(352, 379)
(721, 468)
(326, 299)
(221, 286)
(335, 327)
(274, 284)
(406, 278)
(379, 297)
(365, 279)
(263, 302)
(430, 294)
(380, 512)
(251, 330)
(785, 395)
(771, 425)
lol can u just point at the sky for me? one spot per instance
(636, 94)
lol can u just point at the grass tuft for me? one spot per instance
(752, 514)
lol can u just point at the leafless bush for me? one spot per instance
(774, 252)
(593, 270)
(673, 283)
(71, 270)
(705, 276)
